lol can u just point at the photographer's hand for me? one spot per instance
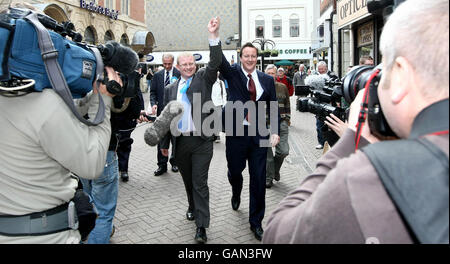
(355, 108)
(336, 124)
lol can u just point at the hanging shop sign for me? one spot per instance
(365, 34)
(349, 11)
(91, 6)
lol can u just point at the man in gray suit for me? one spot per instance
(195, 145)
(300, 76)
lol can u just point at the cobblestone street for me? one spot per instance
(151, 210)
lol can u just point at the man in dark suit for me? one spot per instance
(194, 147)
(246, 84)
(160, 80)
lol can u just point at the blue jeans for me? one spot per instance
(103, 191)
(319, 126)
(149, 83)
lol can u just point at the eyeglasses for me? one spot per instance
(185, 65)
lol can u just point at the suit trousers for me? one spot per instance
(238, 151)
(193, 155)
(162, 160)
(274, 163)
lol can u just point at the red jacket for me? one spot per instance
(288, 83)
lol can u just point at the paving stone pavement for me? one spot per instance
(151, 210)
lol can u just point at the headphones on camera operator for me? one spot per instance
(34, 58)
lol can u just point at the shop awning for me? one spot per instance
(284, 63)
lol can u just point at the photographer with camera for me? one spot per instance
(40, 148)
(392, 191)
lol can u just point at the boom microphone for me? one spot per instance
(316, 82)
(120, 58)
(158, 130)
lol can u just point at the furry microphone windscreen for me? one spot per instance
(317, 82)
(158, 129)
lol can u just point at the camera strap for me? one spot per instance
(55, 74)
(364, 109)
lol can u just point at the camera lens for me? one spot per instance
(354, 81)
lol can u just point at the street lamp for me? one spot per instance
(236, 39)
(262, 42)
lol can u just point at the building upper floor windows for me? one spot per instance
(259, 24)
(294, 24)
(277, 26)
(109, 4)
(124, 10)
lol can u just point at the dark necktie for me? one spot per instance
(252, 91)
(251, 88)
(167, 81)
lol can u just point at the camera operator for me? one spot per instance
(41, 143)
(322, 68)
(104, 190)
(389, 191)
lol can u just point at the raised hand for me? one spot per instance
(213, 27)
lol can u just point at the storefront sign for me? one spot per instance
(365, 34)
(113, 14)
(292, 51)
(351, 10)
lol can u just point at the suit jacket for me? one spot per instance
(201, 84)
(238, 91)
(157, 89)
(299, 79)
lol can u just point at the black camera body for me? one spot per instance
(323, 103)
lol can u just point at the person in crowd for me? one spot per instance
(160, 80)
(274, 163)
(219, 98)
(389, 191)
(195, 147)
(366, 60)
(246, 84)
(322, 69)
(41, 149)
(300, 76)
(105, 189)
(149, 78)
(282, 78)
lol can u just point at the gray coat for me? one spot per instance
(299, 79)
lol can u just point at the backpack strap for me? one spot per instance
(55, 74)
(415, 174)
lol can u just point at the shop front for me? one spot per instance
(358, 33)
(98, 24)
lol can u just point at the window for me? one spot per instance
(294, 26)
(124, 40)
(108, 36)
(276, 26)
(124, 7)
(89, 36)
(109, 4)
(259, 24)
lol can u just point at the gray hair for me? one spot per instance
(168, 56)
(322, 63)
(418, 31)
(271, 66)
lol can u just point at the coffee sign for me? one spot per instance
(349, 11)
